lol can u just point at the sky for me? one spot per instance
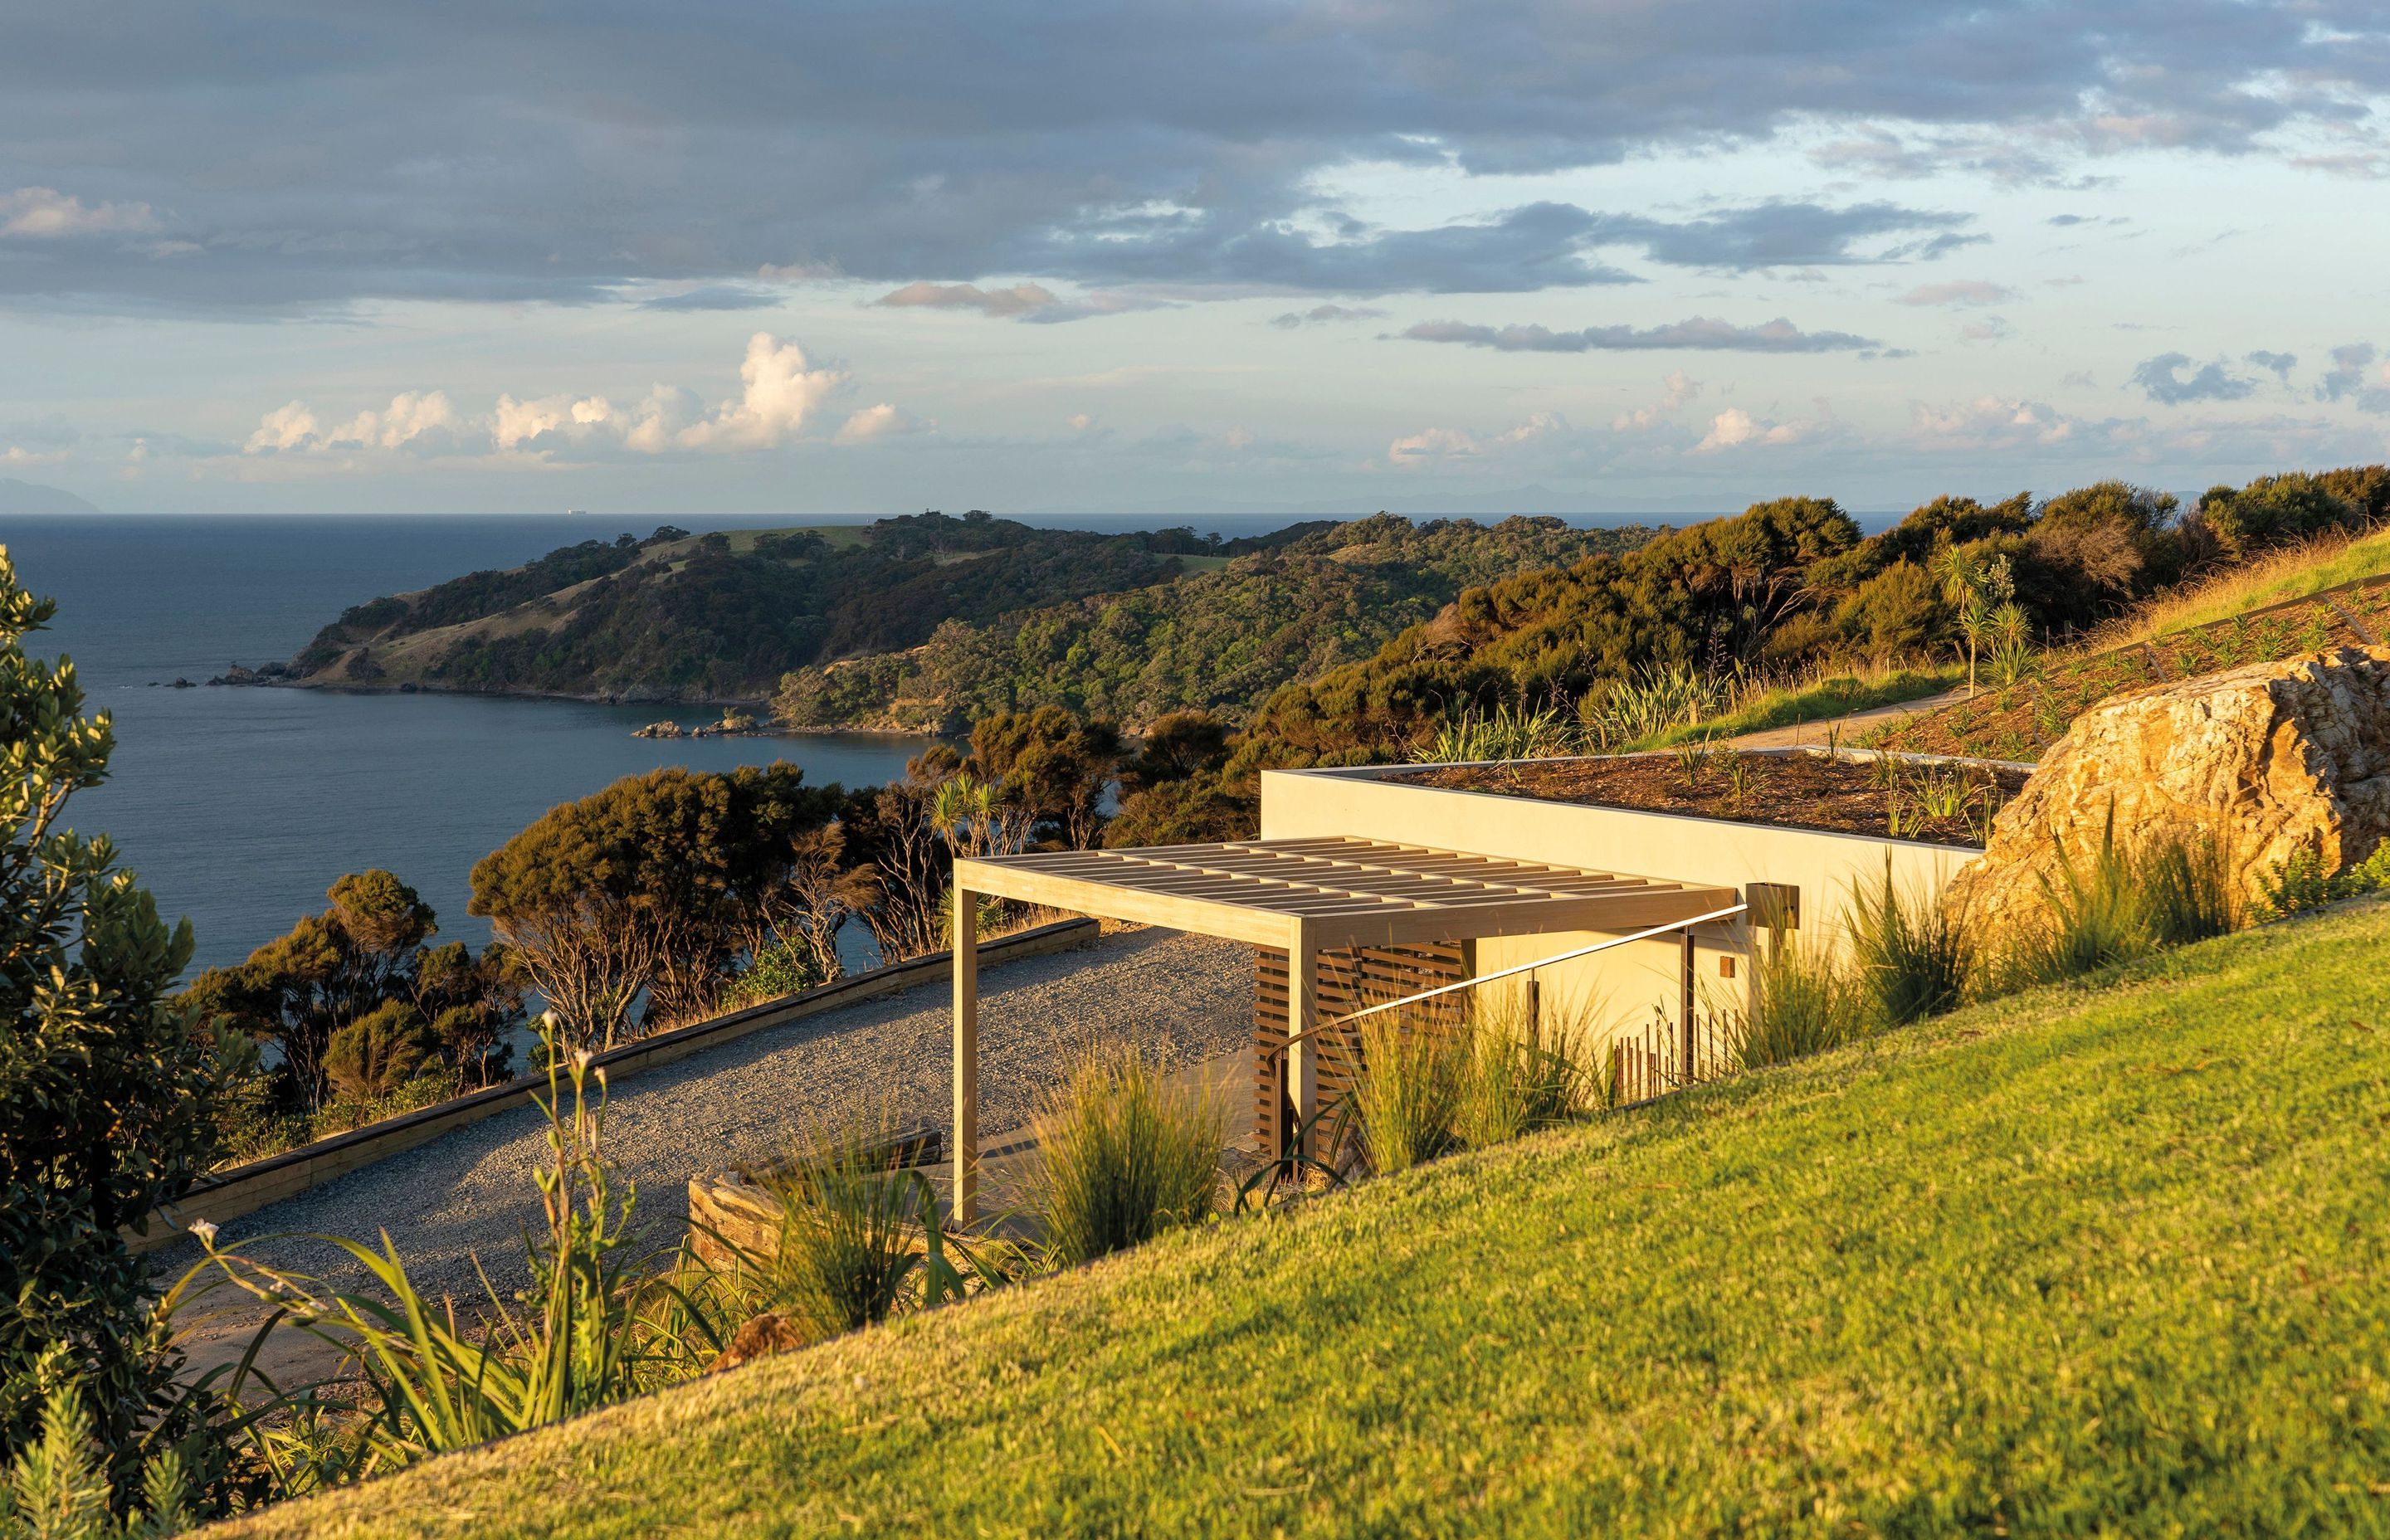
(1512, 255)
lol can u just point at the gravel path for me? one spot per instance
(1185, 998)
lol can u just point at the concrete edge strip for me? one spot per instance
(246, 1189)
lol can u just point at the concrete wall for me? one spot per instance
(1619, 987)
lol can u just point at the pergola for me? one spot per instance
(1307, 896)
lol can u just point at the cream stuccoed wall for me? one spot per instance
(1620, 988)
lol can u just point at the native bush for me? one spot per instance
(1802, 1000)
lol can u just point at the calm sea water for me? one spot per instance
(238, 807)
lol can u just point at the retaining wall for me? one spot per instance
(246, 1189)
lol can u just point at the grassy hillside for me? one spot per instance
(2081, 1260)
(1221, 637)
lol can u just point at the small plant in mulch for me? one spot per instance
(1692, 762)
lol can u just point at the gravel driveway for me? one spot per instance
(1184, 998)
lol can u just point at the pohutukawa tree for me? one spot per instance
(659, 885)
(103, 1084)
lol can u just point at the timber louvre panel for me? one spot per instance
(1349, 980)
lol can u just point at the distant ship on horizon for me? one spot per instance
(576, 513)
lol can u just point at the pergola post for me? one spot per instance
(1302, 1017)
(966, 1196)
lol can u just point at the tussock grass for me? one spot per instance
(1802, 1000)
(1122, 1156)
(1913, 958)
(1408, 1097)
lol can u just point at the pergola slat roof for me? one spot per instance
(1307, 896)
(1331, 892)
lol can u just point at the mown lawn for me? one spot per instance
(2089, 1261)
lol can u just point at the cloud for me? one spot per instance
(1699, 332)
(420, 420)
(781, 390)
(1433, 445)
(1735, 429)
(1958, 292)
(44, 214)
(1322, 314)
(1786, 234)
(884, 421)
(1991, 328)
(1991, 423)
(2345, 379)
(2163, 379)
(1674, 391)
(420, 150)
(1020, 300)
(781, 395)
(2281, 363)
(713, 296)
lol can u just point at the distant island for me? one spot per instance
(926, 622)
(27, 500)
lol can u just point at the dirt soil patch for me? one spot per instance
(1936, 804)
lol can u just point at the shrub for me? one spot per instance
(1913, 958)
(2300, 883)
(597, 1324)
(58, 1487)
(380, 1051)
(780, 968)
(2186, 890)
(1802, 1001)
(105, 1087)
(1120, 1157)
(2095, 917)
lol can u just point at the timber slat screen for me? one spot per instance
(1349, 980)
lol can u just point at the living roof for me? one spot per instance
(1328, 893)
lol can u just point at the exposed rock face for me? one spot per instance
(2269, 759)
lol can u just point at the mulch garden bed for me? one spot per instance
(1936, 805)
(2023, 720)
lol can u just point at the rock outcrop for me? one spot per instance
(2268, 760)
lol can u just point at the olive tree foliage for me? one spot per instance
(659, 886)
(301, 991)
(103, 1084)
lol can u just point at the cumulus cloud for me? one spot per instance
(418, 420)
(46, 214)
(1699, 332)
(1674, 391)
(1991, 328)
(1735, 429)
(782, 393)
(2171, 379)
(2281, 364)
(886, 420)
(1991, 422)
(1443, 445)
(1958, 292)
(781, 390)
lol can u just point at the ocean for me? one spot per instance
(237, 807)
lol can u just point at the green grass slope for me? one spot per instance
(2084, 1261)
